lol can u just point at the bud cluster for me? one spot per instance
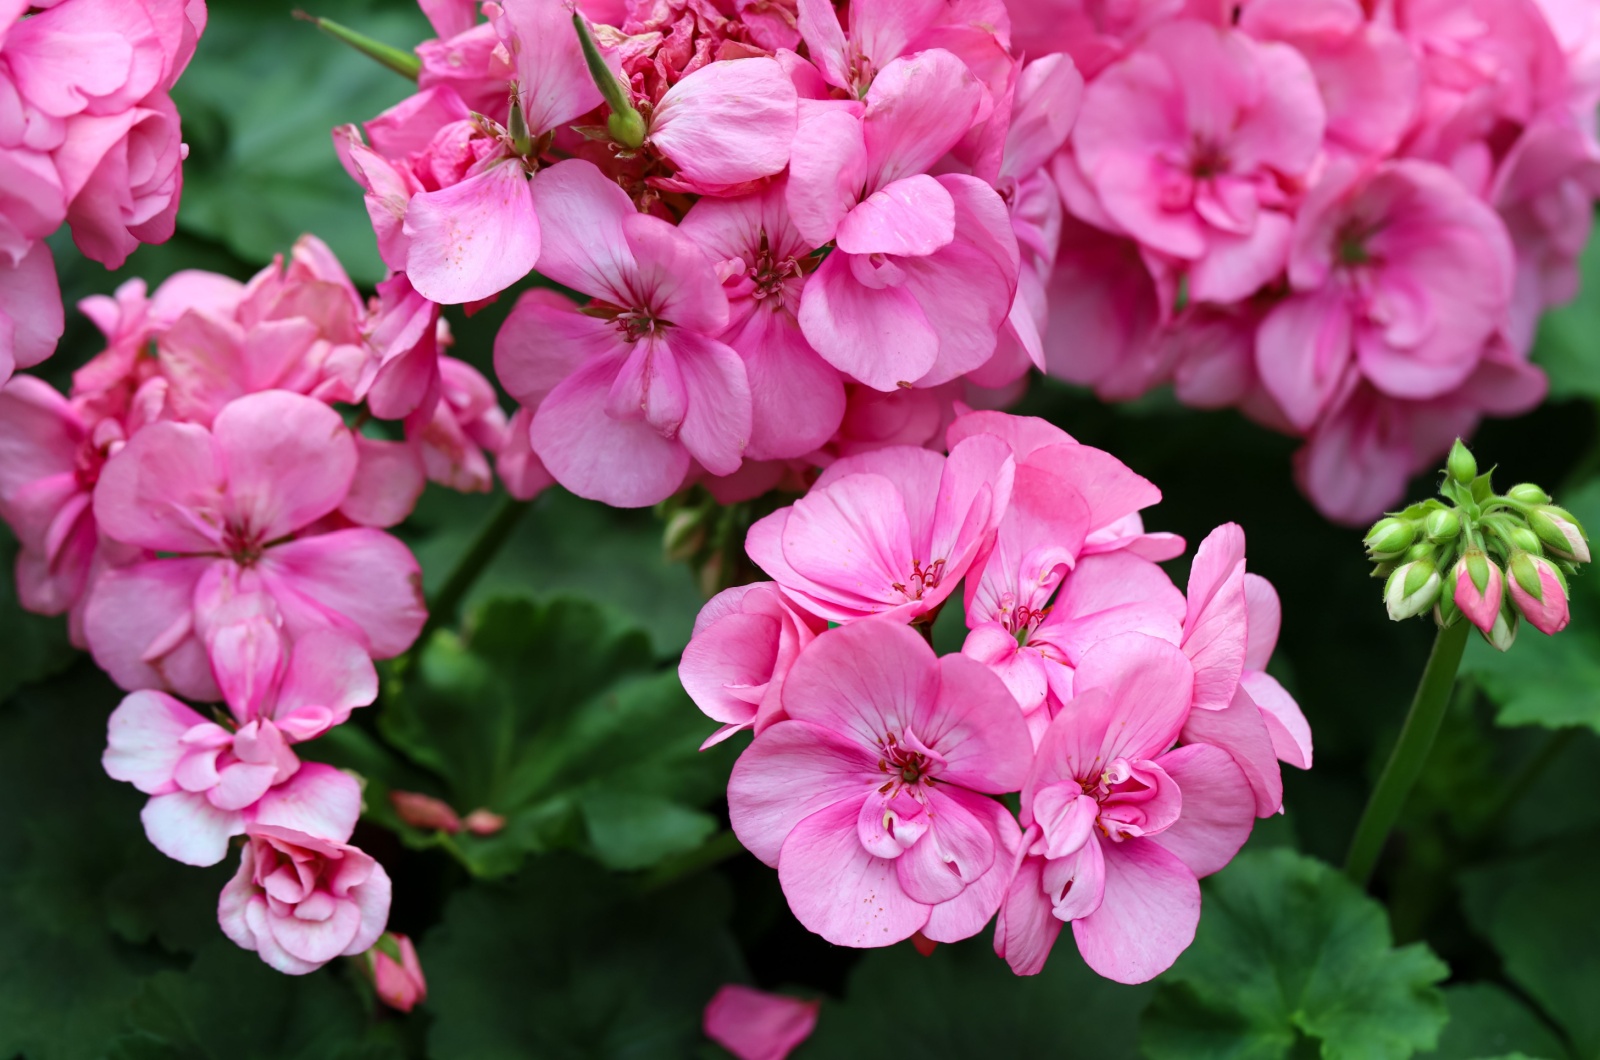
(1493, 558)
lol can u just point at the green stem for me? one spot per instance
(402, 62)
(491, 536)
(1409, 754)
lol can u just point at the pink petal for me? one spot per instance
(387, 484)
(1290, 732)
(838, 890)
(728, 662)
(622, 462)
(1026, 928)
(756, 1025)
(318, 800)
(1265, 618)
(976, 728)
(790, 771)
(955, 851)
(186, 827)
(544, 340)
(850, 544)
(674, 276)
(1218, 808)
(878, 335)
(1302, 348)
(1147, 918)
(827, 168)
(288, 460)
(547, 60)
(913, 216)
(727, 122)
(139, 625)
(582, 212)
(874, 677)
(918, 108)
(1216, 626)
(363, 581)
(327, 669)
(1147, 685)
(473, 239)
(968, 913)
(717, 420)
(163, 490)
(31, 318)
(797, 398)
(1241, 731)
(142, 740)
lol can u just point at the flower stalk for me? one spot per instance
(402, 62)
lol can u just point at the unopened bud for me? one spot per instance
(685, 534)
(1443, 525)
(1420, 550)
(1503, 633)
(1521, 539)
(484, 822)
(1461, 465)
(1528, 493)
(1478, 587)
(425, 811)
(1412, 589)
(1561, 535)
(517, 129)
(1539, 592)
(1390, 537)
(395, 972)
(625, 124)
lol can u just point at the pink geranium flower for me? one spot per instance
(797, 398)
(1193, 144)
(745, 641)
(925, 268)
(300, 900)
(889, 532)
(224, 505)
(755, 1025)
(869, 799)
(207, 781)
(1403, 274)
(631, 390)
(1119, 825)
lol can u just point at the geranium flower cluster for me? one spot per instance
(1136, 722)
(88, 137)
(1343, 218)
(208, 505)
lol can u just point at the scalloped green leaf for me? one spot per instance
(1291, 956)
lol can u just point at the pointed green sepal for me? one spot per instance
(402, 62)
(625, 123)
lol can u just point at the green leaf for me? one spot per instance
(1550, 681)
(1538, 912)
(1290, 949)
(963, 1001)
(259, 103)
(229, 1004)
(1487, 1020)
(566, 961)
(550, 716)
(35, 647)
(1566, 346)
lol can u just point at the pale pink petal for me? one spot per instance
(850, 543)
(1286, 724)
(163, 490)
(827, 168)
(726, 665)
(142, 740)
(1302, 348)
(327, 669)
(838, 890)
(388, 482)
(874, 677)
(622, 462)
(1216, 626)
(582, 212)
(1147, 917)
(547, 60)
(31, 318)
(544, 340)
(1026, 928)
(913, 216)
(139, 625)
(976, 728)
(727, 122)
(878, 335)
(756, 1025)
(789, 772)
(1147, 685)
(1218, 808)
(956, 850)
(918, 108)
(318, 800)
(1241, 731)
(363, 581)
(289, 460)
(186, 827)
(967, 914)
(473, 239)
(716, 423)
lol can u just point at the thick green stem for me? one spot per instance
(493, 534)
(402, 62)
(1410, 752)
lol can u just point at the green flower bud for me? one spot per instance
(624, 124)
(1461, 465)
(1526, 573)
(1522, 539)
(1504, 631)
(1420, 550)
(1412, 589)
(1443, 525)
(1390, 536)
(1528, 493)
(1560, 533)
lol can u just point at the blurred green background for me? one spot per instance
(605, 917)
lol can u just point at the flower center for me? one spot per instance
(921, 580)
(770, 274)
(1207, 159)
(905, 767)
(242, 544)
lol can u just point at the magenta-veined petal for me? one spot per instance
(841, 892)
(789, 772)
(361, 580)
(1218, 808)
(289, 460)
(727, 122)
(1147, 917)
(878, 335)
